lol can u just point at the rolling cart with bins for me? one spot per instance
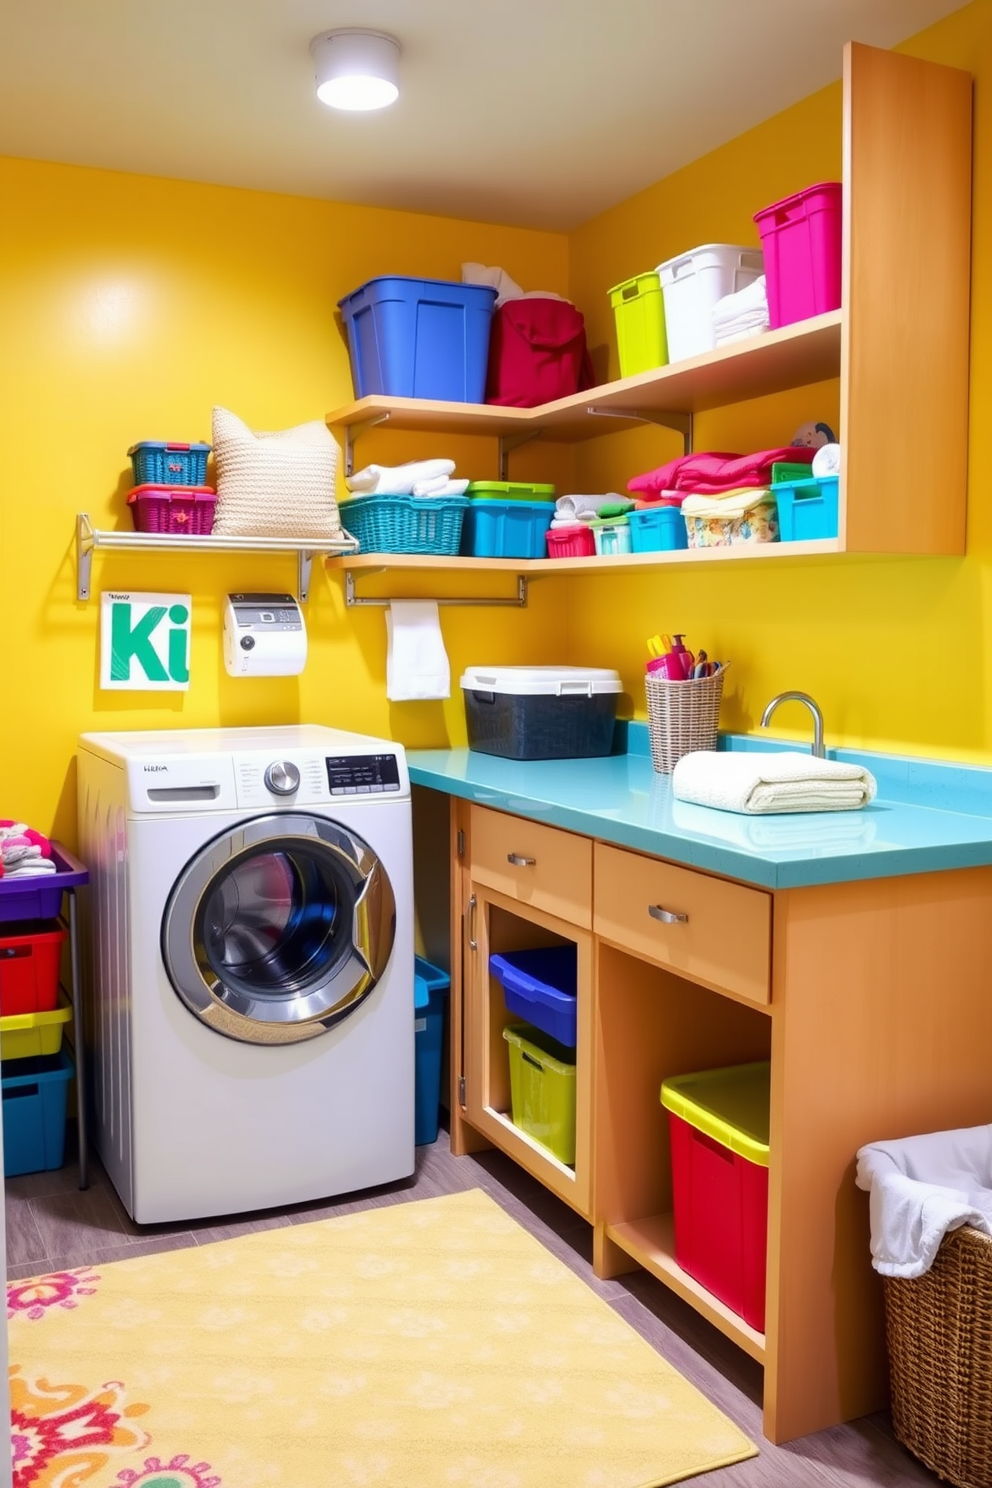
(31, 1036)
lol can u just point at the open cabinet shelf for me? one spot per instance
(651, 1243)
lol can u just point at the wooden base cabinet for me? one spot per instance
(873, 1001)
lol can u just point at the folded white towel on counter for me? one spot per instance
(440, 486)
(922, 1187)
(753, 783)
(417, 665)
(397, 480)
(788, 836)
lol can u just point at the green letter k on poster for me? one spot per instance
(144, 642)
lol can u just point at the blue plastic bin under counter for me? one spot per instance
(540, 986)
(431, 986)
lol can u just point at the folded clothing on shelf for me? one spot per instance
(754, 784)
(24, 853)
(709, 473)
(589, 508)
(727, 504)
(742, 314)
(404, 480)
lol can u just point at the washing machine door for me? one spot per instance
(279, 928)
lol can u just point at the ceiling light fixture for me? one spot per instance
(356, 69)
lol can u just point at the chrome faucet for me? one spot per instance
(799, 697)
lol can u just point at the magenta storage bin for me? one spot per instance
(801, 241)
(41, 898)
(173, 509)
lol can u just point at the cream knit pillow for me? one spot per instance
(275, 485)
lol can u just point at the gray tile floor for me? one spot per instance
(51, 1225)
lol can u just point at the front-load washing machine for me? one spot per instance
(250, 1011)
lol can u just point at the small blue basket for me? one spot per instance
(807, 508)
(506, 529)
(660, 530)
(431, 986)
(405, 524)
(541, 987)
(35, 1092)
(159, 463)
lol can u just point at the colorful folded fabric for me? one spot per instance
(709, 473)
(23, 851)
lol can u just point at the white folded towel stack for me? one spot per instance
(399, 480)
(922, 1187)
(756, 784)
(742, 314)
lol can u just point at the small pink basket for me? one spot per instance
(173, 509)
(801, 240)
(571, 542)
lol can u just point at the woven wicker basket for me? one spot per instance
(940, 1353)
(682, 716)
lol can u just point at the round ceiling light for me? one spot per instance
(355, 69)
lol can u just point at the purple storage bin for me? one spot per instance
(41, 898)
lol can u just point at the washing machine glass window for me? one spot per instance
(278, 929)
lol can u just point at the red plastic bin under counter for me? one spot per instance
(718, 1121)
(30, 956)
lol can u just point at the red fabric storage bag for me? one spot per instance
(537, 352)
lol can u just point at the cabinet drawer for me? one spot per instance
(724, 941)
(555, 868)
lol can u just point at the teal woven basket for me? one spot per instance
(405, 524)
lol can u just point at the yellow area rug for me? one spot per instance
(430, 1344)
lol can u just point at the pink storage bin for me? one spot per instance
(173, 509)
(801, 241)
(571, 542)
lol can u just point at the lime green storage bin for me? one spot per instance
(542, 1090)
(509, 491)
(639, 309)
(27, 1035)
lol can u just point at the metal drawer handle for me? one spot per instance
(519, 861)
(667, 916)
(473, 943)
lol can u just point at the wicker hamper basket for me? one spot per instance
(939, 1330)
(682, 717)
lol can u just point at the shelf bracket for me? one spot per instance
(680, 422)
(507, 444)
(84, 556)
(352, 599)
(354, 432)
(303, 566)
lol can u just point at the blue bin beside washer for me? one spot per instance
(431, 986)
(540, 986)
(419, 338)
(807, 508)
(35, 1092)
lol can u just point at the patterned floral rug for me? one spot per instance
(422, 1344)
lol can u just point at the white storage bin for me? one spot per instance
(692, 284)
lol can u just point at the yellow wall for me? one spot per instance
(874, 641)
(129, 307)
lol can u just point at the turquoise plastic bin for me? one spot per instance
(807, 508)
(659, 531)
(431, 986)
(506, 529)
(35, 1092)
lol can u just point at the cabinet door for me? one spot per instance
(496, 924)
(702, 928)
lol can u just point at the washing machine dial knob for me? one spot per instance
(282, 778)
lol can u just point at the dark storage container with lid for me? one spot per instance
(532, 713)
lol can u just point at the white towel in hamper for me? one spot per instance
(753, 783)
(922, 1187)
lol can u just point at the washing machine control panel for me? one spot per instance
(362, 774)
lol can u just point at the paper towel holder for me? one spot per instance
(352, 599)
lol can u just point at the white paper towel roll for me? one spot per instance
(417, 664)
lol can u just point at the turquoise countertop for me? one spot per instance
(927, 815)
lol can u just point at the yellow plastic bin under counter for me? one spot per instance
(542, 1090)
(24, 1035)
(639, 309)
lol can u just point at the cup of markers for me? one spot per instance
(684, 691)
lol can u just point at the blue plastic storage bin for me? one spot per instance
(157, 462)
(34, 1092)
(807, 508)
(431, 986)
(540, 986)
(658, 531)
(419, 338)
(506, 529)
